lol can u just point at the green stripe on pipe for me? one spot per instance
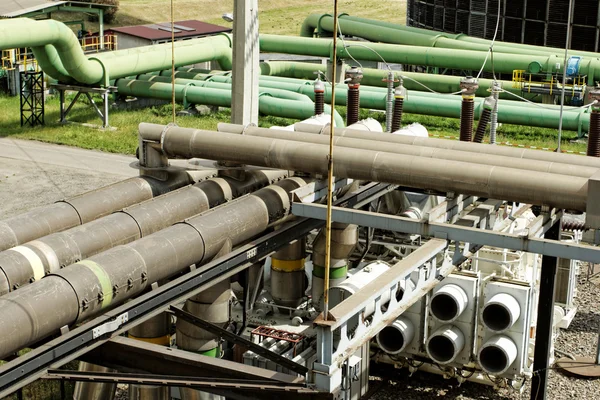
(214, 352)
(104, 280)
(334, 273)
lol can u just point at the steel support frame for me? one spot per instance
(104, 92)
(423, 263)
(545, 313)
(85, 338)
(530, 243)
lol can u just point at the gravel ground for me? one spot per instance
(24, 185)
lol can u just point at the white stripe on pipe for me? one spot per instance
(49, 253)
(34, 260)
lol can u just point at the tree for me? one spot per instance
(109, 14)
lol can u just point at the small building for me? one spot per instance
(145, 35)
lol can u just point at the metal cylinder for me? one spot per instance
(419, 172)
(94, 391)
(75, 211)
(319, 88)
(148, 392)
(444, 344)
(500, 312)
(482, 125)
(448, 303)
(32, 261)
(368, 124)
(288, 280)
(497, 355)
(593, 146)
(360, 279)
(85, 289)
(394, 338)
(155, 330)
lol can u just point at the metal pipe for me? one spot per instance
(32, 261)
(288, 280)
(419, 172)
(448, 303)
(89, 287)
(80, 209)
(497, 355)
(500, 312)
(394, 338)
(445, 343)
(94, 391)
(377, 143)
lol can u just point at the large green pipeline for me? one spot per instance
(509, 112)
(374, 77)
(428, 56)
(267, 102)
(388, 32)
(61, 56)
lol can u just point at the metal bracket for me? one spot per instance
(110, 326)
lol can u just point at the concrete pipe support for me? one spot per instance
(343, 240)
(89, 287)
(32, 261)
(419, 172)
(497, 355)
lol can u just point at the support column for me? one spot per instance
(101, 28)
(244, 99)
(545, 312)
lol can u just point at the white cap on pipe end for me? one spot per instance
(448, 303)
(444, 344)
(497, 354)
(500, 312)
(394, 338)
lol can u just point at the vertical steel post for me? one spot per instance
(545, 312)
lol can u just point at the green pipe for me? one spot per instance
(510, 112)
(428, 56)
(267, 103)
(383, 32)
(42, 35)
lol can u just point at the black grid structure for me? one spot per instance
(538, 22)
(32, 98)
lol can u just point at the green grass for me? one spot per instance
(124, 138)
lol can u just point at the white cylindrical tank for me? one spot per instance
(394, 338)
(500, 312)
(448, 303)
(444, 344)
(497, 354)
(369, 124)
(414, 129)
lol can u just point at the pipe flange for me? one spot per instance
(163, 134)
(469, 85)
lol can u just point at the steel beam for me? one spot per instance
(544, 327)
(529, 243)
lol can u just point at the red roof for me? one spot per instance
(162, 31)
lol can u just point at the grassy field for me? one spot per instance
(124, 138)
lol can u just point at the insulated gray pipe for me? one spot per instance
(415, 150)
(29, 262)
(81, 209)
(540, 188)
(87, 288)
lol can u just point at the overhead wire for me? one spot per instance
(493, 40)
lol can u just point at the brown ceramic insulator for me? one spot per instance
(467, 112)
(319, 103)
(486, 115)
(593, 147)
(397, 118)
(352, 105)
